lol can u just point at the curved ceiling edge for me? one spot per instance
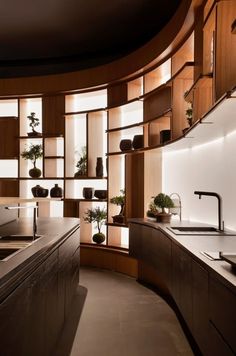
(162, 45)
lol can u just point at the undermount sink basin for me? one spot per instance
(199, 230)
(194, 228)
(26, 238)
(5, 253)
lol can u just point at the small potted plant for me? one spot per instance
(98, 216)
(33, 153)
(163, 202)
(34, 122)
(189, 116)
(82, 164)
(120, 201)
(152, 211)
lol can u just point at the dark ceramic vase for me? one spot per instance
(39, 191)
(88, 192)
(56, 192)
(35, 172)
(138, 141)
(125, 145)
(100, 194)
(164, 136)
(99, 167)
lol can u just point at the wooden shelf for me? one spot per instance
(9, 117)
(215, 124)
(86, 200)
(73, 113)
(141, 123)
(202, 81)
(84, 178)
(9, 158)
(54, 157)
(41, 178)
(117, 225)
(31, 138)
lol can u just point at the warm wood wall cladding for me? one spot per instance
(225, 47)
(9, 132)
(52, 113)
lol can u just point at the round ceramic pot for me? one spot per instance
(100, 194)
(39, 191)
(88, 192)
(99, 238)
(125, 145)
(163, 218)
(119, 219)
(138, 141)
(35, 172)
(56, 192)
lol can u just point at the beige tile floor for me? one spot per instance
(121, 317)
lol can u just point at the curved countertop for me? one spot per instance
(52, 231)
(195, 244)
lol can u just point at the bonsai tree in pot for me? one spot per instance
(82, 164)
(120, 201)
(98, 216)
(33, 153)
(163, 202)
(34, 122)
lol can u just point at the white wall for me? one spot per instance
(209, 167)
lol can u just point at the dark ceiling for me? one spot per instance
(52, 36)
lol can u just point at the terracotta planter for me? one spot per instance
(163, 218)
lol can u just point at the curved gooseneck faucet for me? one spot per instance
(213, 194)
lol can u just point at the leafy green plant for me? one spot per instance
(189, 115)
(82, 163)
(33, 153)
(34, 121)
(152, 210)
(163, 201)
(120, 201)
(96, 215)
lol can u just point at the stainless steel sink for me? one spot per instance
(194, 228)
(199, 230)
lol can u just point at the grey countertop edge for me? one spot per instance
(194, 244)
(19, 266)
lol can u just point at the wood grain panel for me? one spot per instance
(134, 185)
(53, 119)
(109, 259)
(9, 132)
(226, 48)
(117, 94)
(9, 188)
(157, 103)
(183, 55)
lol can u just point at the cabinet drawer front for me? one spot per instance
(222, 304)
(216, 345)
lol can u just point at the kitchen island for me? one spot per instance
(37, 284)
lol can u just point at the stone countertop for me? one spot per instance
(52, 231)
(195, 244)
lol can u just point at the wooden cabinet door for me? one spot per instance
(200, 307)
(135, 241)
(181, 285)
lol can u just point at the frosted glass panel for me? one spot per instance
(9, 107)
(54, 146)
(54, 167)
(8, 168)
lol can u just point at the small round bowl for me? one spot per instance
(100, 194)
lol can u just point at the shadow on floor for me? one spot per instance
(67, 336)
